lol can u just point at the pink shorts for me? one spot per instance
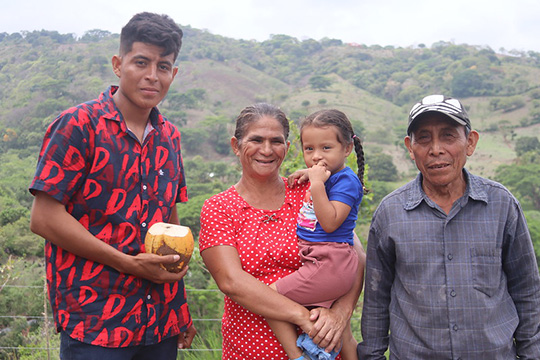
(328, 272)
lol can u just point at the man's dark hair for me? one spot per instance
(154, 29)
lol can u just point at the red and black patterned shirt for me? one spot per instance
(116, 188)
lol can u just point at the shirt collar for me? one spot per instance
(474, 190)
(111, 112)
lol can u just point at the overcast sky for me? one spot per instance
(508, 24)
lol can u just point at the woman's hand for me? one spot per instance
(328, 328)
(301, 175)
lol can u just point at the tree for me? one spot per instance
(219, 135)
(191, 99)
(382, 167)
(533, 223)
(319, 82)
(95, 35)
(522, 180)
(526, 143)
(468, 83)
(193, 140)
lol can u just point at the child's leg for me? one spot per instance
(348, 349)
(286, 334)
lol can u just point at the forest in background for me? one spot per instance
(45, 72)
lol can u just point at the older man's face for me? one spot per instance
(439, 147)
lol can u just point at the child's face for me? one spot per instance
(321, 146)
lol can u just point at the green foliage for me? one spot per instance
(533, 222)
(193, 140)
(218, 133)
(319, 82)
(190, 99)
(10, 215)
(203, 179)
(190, 212)
(469, 83)
(507, 104)
(206, 305)
(16, 239)
(382, 167)
(13, 338)
(204, 347)
(527, 143)
(41, 342)
(294, 160)
(523, 180)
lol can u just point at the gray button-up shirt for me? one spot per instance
(458, 286)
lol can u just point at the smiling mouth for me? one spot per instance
(438, 166)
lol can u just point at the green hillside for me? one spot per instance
(44, 72)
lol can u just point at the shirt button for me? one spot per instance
(450, 256)
(143, 224)
(453, 293)
(455, 327)
(144, 187)
(149, 297)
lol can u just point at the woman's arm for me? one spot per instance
(223, 262)
(328, 329)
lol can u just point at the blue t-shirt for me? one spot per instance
(343, 186)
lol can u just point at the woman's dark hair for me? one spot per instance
(333, 117)
(252, 113)
(154, 29)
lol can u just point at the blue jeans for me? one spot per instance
(71, 349)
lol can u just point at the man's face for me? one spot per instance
(439, 147)
(145, 76)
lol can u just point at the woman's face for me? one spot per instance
(262, 148)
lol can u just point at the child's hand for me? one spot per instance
(318, 172)
(301, 175)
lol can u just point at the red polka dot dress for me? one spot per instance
(267, 245)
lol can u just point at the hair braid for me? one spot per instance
(359, 150)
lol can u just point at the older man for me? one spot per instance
(451, 270)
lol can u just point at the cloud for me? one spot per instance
(493, 23)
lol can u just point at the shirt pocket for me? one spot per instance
(486, 268)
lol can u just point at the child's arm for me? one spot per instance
(330, 214)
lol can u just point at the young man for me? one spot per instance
(109, 169)
(451, 270)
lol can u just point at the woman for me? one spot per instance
(248, 240)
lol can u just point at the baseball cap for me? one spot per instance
(439, 103)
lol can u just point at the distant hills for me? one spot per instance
(44, 72)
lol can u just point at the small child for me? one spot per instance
(325, 228)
